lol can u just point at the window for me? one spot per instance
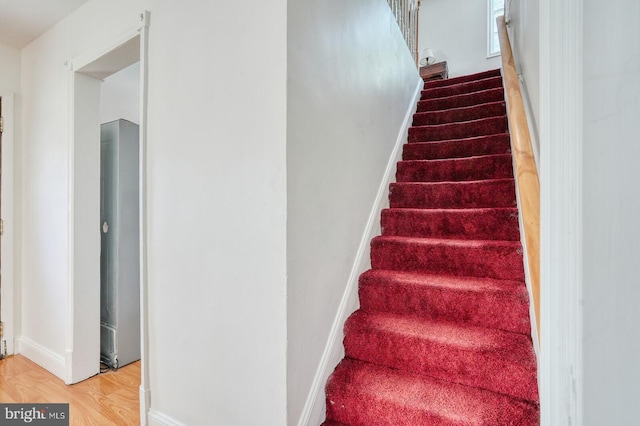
(496, 8)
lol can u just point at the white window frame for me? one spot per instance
(491, 24)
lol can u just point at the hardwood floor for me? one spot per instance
(109, 398)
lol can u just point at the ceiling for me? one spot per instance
(22, 21)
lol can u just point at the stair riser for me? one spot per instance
(478, 367)
(493, 167)
(483, 260)
(504, 309)
(483, 127)
(461, 79)
(459, 148)
(462, 88)
(491, 95)
(459, 114)
(500, 193)
(494, 224)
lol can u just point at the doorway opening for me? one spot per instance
(101, 85)
(119, 219)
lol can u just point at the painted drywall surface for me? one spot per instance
(10, 84)
(351, 79)
(611, 233)
(525, 40)
(216, 205)
(120, 95)
(10, 69)
(456, 31)
(217, 211)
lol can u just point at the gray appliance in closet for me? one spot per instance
(120, 244)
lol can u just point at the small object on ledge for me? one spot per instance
(437, 71)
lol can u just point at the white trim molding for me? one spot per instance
(42, 356)
(314, 408)
(145, 389)
(156, 418)
(9, 224)
(561, 128)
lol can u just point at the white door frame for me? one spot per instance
(7, 214)
(83, 317)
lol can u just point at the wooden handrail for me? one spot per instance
(525, 164)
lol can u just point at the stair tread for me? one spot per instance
(439, 127)
(464, 183)
(483, 258)
(451, 194)
(487, 109)
(467, 139)
(455, 169)
(488, 302)
(457, 160)
(470, 77)
(478, 94)
(466, 224)
(447, 241)
(458, 282)
(466, 99)
(463, 87)
(373, 392)
(450, 333)
(457, 148)
(479, 127)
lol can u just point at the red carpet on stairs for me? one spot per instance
(442, 336)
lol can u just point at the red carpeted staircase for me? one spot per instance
(442, 336)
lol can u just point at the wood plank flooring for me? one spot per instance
(106, 399)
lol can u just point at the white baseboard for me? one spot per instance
(44, 357)
(314, 408)
(145, 405)
(157, 418)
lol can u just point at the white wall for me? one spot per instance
(456, 31)
(524, 35)
(216, 201)
(351, 82)
(611, 288)
(217, 211)
(10, 69)
(11, 102)
(120, 95)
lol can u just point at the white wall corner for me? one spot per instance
(314, 408)
(157, 418)
(561, 264)
(44, 357)
(7, 213)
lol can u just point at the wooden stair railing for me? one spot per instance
(407, 16)
(525, 167)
